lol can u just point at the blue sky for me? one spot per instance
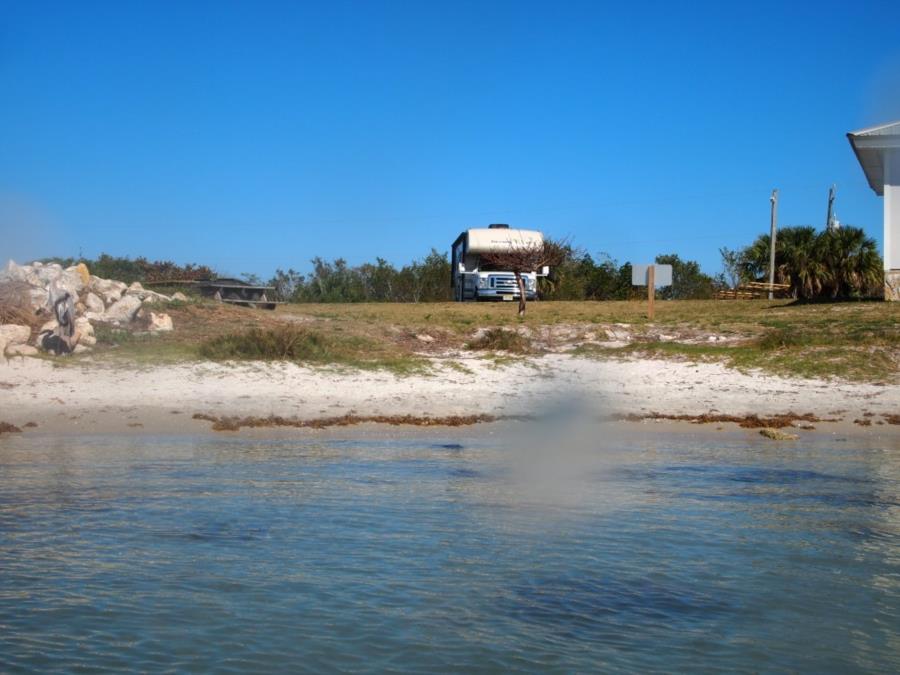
(256, 135)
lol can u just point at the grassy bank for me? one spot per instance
(857, 341)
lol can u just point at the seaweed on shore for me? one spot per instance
(745, 421)
(7, 428)
(237, 423)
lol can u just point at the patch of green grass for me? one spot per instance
(458, 367)
(773, 354)
(498, 361)
(139, 348)
(302, 345)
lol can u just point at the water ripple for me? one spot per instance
(234, 556)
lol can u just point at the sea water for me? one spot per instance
(655, 554)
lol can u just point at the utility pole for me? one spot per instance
(829, 219)
(774, 201)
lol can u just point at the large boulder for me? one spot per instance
(34, 279)
(13, 334)
(83, 326)
(146, 295)
(14, 272)
(49, 326)
(26, 274)
(123, 310)
(111, 296)
(83, 272)
(107, 287)
(85, 332)
(38, 297)
(48, 272)
(72, 281)
(159, 322)
(6, 271)
(21, 350)
(155, 322)
(93, 303)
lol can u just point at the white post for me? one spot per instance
(774, 217)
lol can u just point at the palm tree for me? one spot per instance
(798, 261)
(853, 261)
(838, 263)
(754, 260)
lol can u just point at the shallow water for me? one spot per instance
(650, 554)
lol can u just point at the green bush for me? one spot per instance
(301, 345)
(278, 344)
(779, 338)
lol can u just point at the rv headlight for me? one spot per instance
(530, 282)
(482, 282)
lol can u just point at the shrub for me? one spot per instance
(302, 345)
(15, 306)
(779, 338)
(496, 339)
(276, 344)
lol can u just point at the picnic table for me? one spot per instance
(754, 290)
(232, 291)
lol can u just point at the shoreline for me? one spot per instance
(87, 397)
(886, 437)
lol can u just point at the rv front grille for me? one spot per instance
(505, 283)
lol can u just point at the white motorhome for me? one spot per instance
(475, 279)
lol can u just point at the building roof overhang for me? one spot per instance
(869, 145)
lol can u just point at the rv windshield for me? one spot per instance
(489, 267)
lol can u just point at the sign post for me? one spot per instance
(651, 276)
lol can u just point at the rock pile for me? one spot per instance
(97, 301)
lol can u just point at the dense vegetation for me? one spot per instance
(426, 280)
(138, 269)
(841, 263)
(579, 277)
(832, 264)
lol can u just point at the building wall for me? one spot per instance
(892, 286)
(892, 210)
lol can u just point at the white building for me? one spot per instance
(878, 151)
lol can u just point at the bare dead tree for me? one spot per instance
(523, 257)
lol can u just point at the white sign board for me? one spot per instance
(662, 275)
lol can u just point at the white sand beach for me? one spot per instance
(87, 396)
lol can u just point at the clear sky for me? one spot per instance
(256, 135)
